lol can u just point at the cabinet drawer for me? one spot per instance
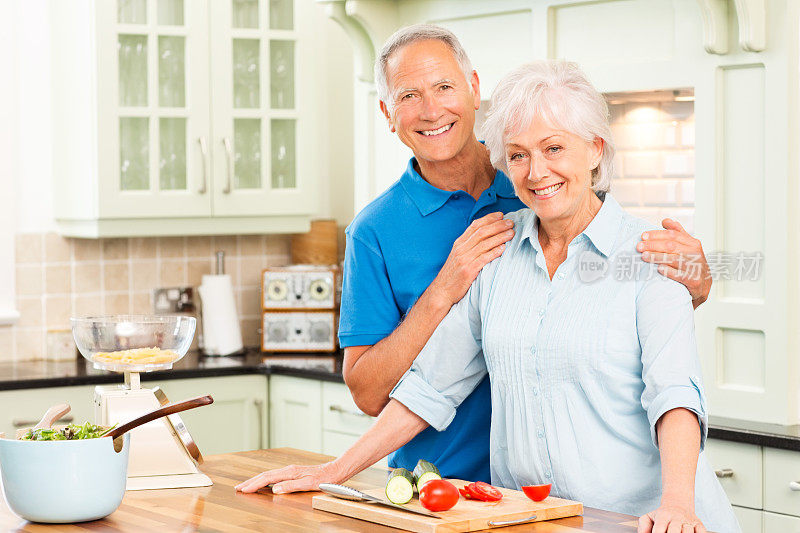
(782, 481)
(339, 411)
(779, 523)
(739, 470)
(749, 519)
(335, 443)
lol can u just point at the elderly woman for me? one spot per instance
(595, 378)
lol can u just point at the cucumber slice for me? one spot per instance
(400, 486)
(425, 471)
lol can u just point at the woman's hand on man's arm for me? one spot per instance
(679, 443)
(395, 427)
(679, 256)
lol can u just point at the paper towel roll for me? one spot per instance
(221, 332)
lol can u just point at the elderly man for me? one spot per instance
(415, 250)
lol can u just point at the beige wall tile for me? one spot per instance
(145, 275)
(7, 348)
(141, 304)
(278, 245)
(171, 246)
(57, 249)
(199, 247)
(86, 249)
(87, 305)
(227, 244)
(87, 277)
(57, 311)
(250, 335)
(29, 280)
(116, 303)
(29, 248)
(173, 273)
(116, 277)
(114, 249)
(277, 260)
(196, 269)
(252, 245)
(30, 344)
(58, 279)
(30, 312)
(251, 268)
(249, 303)
(143, 247)
(232, 269)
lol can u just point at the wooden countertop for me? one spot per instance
(221, 508)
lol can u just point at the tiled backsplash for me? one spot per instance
(57, 278)
(655, 160)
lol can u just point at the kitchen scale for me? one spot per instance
(163, 454)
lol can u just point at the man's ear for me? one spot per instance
(475, 83)
(385, 111)
(598, 144)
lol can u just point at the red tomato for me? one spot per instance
(537, 493)
(464, 492)
(484, 491)
(438, 495)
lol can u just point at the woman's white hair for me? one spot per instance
(558, 93)
(411, 34)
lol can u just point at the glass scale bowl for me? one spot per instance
(133, 343)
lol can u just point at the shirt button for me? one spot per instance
(540, 434)
(536, 392)
(533, 350)
(561, 275)
(548, 475)
(541, 312)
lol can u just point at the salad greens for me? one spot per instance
(71, 432)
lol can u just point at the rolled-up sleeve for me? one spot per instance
(449, 367)
(670, 363)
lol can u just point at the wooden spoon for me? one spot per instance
(51, 415)
(169, 409)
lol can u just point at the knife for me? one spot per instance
(349, 493)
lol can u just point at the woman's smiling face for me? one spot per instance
(552, 169)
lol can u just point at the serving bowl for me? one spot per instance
(131, 338)
(63, 481)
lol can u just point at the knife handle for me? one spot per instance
(512, 522)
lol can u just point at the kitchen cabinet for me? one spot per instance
(750, 520)
(782, 481)
(183, 117)
(779, 523)
(236, 421)
(739, 470)
(315, 415)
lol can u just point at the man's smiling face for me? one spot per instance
(432, 106)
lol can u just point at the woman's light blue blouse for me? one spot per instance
(581, 368)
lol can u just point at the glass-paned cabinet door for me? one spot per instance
(258, 111)
(154, 124)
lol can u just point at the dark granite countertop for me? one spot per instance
(43, 374)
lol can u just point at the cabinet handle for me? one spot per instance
(342, 410)
(794, 486)
(203, 152)
(725, 472)
(512, 522)
(229, 154)
(259, 403)
(21, 423)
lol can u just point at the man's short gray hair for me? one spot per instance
(558, 93)
(412, 34)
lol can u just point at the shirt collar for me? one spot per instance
(428, 198)
(602, 230)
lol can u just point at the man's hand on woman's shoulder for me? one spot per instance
(679, 256)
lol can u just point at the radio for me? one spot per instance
(300, 287)
(307, 331)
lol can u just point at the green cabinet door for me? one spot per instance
(295, 407)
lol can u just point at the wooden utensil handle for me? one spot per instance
(170, 409)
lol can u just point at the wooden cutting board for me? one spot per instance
(467, 515)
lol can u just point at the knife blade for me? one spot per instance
(349, 493)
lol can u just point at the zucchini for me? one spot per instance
(425, 471)
(400, 486)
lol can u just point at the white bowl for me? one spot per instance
(63, 481)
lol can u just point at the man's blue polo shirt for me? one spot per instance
(395, 248)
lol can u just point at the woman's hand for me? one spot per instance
(679, 256)
(293, 478)
(671, 518)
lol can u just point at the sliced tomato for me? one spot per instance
(537, 493)
(486, 492)
(464, 492)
